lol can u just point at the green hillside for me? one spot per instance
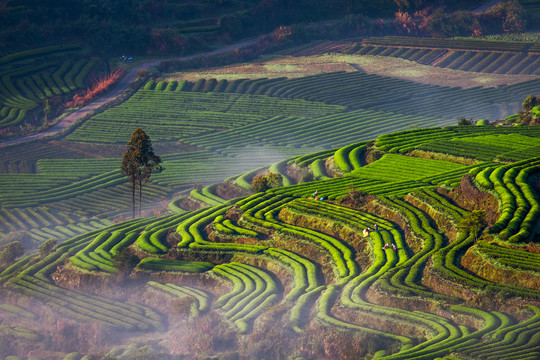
(357, 182)
(287, 249)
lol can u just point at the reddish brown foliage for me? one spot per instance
(97, 87)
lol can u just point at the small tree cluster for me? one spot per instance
(265, 182)
(527, 116)
(9, 253)
(505, 17)
(465, 121)
(46, 247)
(125, 261)
(530, 102)
(473, 222)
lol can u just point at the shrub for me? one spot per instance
(274, 180)
(46, 247)
(482, 122)
(10, 252)
(265, 182)
(125, 260)
(465, 121)
(259, 183)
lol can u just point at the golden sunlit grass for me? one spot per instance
(97, 87)
(294, 67)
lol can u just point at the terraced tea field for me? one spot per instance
(285, 249)
(216, 270)
(485, 56)
(31, 78)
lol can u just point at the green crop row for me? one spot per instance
(153, 240)
(190, 231)
(158, 265)
(393, 167)
(446, 261)
(32, 279)
(508, 257)
(341, 254)
(449, 43)
(507, 337)
(23, 55)
(519, 205)
(323, 131)
(92, 250)
(452, 343)
(105, 201)
(347, 157)
(280, 167)
(318, 169)
(368, 91)
(111, 313)
(202, 303)
(107, 179)
(201, 112)
(355, 219)
(8, 331)
(304, 160)
(206, 200)
(408, 280)
(258, 291)
(446, 140)
(38, 220)
(89, 259)
(440, 202)
(32, 85)
(227, 226)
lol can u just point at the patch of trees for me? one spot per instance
(157, 27)
(265, 182)
(109, 27)
(506, 16)
(9, 253)
(530, 114)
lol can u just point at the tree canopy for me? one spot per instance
(139, 162)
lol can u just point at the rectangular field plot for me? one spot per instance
(400, 168)
(487, 147)
(325, 131)
(169, 115)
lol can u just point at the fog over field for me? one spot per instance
(249, 179)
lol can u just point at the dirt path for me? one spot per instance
(116, 91)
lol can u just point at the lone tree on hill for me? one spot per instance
(138, 163)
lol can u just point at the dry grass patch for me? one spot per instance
(294, 67)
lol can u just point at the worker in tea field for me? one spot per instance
(366, 232)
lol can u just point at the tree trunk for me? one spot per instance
(140, 198)
(133, 198)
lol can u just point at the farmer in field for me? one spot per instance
(366, 232)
